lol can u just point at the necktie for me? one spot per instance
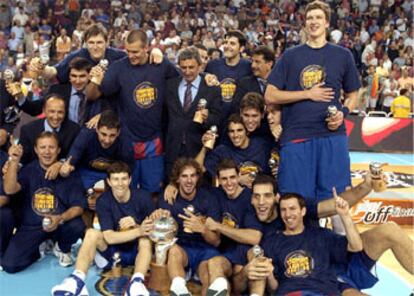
(81, 108)
(263, 84)
(187, 98)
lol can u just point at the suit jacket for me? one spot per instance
(180, 126)
(29, 132)
(245, 85)
(35, 108)
(6, 100)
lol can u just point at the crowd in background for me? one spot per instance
(378, 33)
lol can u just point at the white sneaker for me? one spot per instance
(218, 287)
(136, 287)
(65, 259)
(178, 287)
(71, 286)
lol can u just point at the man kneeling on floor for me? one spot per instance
(125, 216)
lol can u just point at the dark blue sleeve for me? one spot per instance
(79, 145)
(104, 212)
(110, 84)
(213, 207)
(212, 159)
(171, 71)
(162, 204)
(312, 209)
(146, 205)
(351, 80)
(250, 220)
(74, 191)
(279, 73)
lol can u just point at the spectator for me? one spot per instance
(401, 106)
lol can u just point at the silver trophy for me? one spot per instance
(257, 251)
(332, 110)
(163, 235)
(103, 64)
(8, 75)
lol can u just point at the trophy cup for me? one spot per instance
(103, 64)
(378, 183)
(191, 209)
(8, 75)
(210, 143)
(273, 162)
(163, 235)
(31, 72)
(257, 251)
(116, 269)
(200, 106)
(44, 202)
(332, 110)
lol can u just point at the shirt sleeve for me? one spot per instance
(278, 75)
(110, 84)
(78, 146)
(351, 80)
(74, 191)
(103, 210)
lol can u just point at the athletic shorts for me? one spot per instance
(198, 253)
(127, 251)
(358, 274)
(312, 167)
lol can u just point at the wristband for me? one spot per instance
(345, 110)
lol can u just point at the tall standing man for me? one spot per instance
(305, 81)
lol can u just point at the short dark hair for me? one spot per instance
(118, 167)
(47, 134)
(263, 179)
(300, 199)
(403, 91)
(226, 164)
(137, 35)
(235, 118)
(200, 46)
(237, 34)
(189, 53)
(109, 119)
(266, 52)
(80, 64)
(253, 100)
(95, 30)
(179, 166)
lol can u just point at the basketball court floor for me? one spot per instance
(38, 279)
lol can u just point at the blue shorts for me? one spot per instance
(128, 252)
(149, 173)
(311, 168)
(358, 274)
(198, 253)
(238, 256)
(90, 177)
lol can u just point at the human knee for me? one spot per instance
(93, 235)
(216, 262)
(390, 231)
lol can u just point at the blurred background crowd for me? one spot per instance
(379, 33)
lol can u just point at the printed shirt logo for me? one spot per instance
(312, 75)
(229, 220)
(145, 95)
(44, 201)
(228, 88)
(249, 167)
(298, 264)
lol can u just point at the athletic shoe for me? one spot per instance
(65, 259)
(218, 287)
(136, 287)
(46, 248)
(71, 286)
(178, 288)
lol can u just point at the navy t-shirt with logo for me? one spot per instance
(88, 152)
(306, 261)
(302, 67)
(42, 194)
(236, 213)
(257, 153)
(140, 90)
(228, 77)
(205, 204)
(110, 211)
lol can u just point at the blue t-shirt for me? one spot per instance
(140, 90)
(88, 152)
(305, 261)
(111, 54)
(228, 77)
(236, 213)
(67, 192)
(302, 67)
(257, 152)
(205, 204)
(3, 159)
(110, 211)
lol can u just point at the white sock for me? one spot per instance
(80, 274)
(179, 284)
(254, 295)
(138, 275)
